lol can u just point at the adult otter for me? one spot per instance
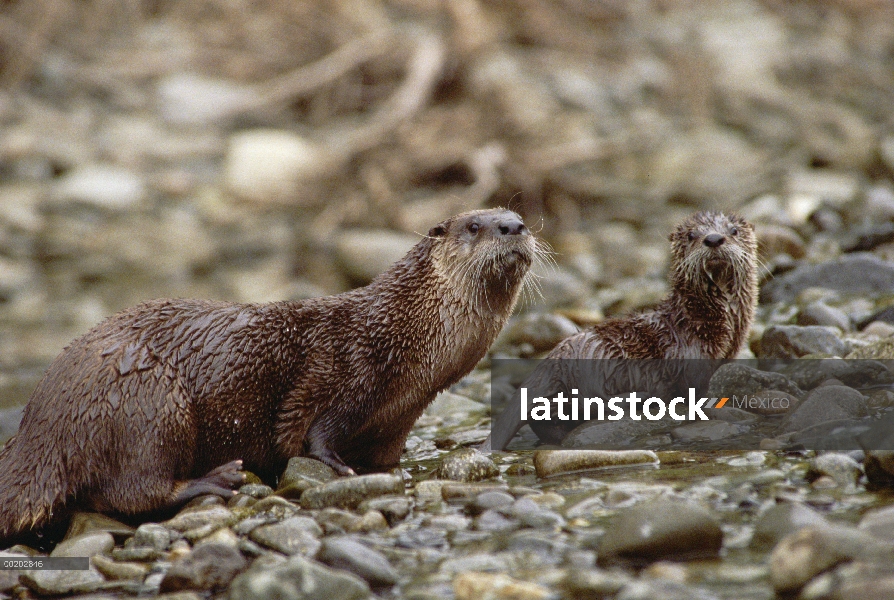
(167, 400)
(707, 315)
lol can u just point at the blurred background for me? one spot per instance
(276, 149)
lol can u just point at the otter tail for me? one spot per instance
(32, 489)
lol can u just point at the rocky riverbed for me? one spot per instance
(281, 150)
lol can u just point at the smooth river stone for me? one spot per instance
(803, 555)
(781, 520)
(349, 492)
(301, 474)
(467, 465)
(351, 555)
(554, 462)
(298, 578)
(661, 529)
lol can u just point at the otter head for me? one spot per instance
(486, 253)
(714, 248)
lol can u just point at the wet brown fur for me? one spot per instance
(133, 414)
(707, 314)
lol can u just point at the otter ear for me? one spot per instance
(439, 230)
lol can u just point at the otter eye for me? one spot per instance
(691, 236)
(473, 228)
(734, 231)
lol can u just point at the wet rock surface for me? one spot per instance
(350, 492)
(302, 474)
(467, 465)
(660, 529)
(298, 578)
(351, 555)
(210, 567)
(853, 274)
(825, 404)
(793, 341)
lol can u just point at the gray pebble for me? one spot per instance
(856, 273)
(240, 501)
(801, 556)
(423, 537)
(449, 522)
(138, 553)
(246, 526)
(542, 519)
(336, 520)
(840, 467)
(879, 523)
(793, 341)
(467, 465)
(103, 186)
(542, 331)
(662, 529)
(810, 373)
(151, 535)
(395, 508)
(491, 520)
(296, 535)
(349, 554)
(825, 404)
(466, 492)
(481, 562)
(522, 506)
(210, 567)
(53, 583)
(597, 583)
(274, 506)
(193, 518)
(780, 520)
(256, 490)
(301, 474)
(820, 313)
(298, 579)
(115, 570)
(540, 545)
(738, 379)
(88, 544)
(489, 500)
(666, 590)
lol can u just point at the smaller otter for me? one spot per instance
(167, 400)
(707, 315)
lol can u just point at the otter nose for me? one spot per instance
(713, 240)
(512, 227)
